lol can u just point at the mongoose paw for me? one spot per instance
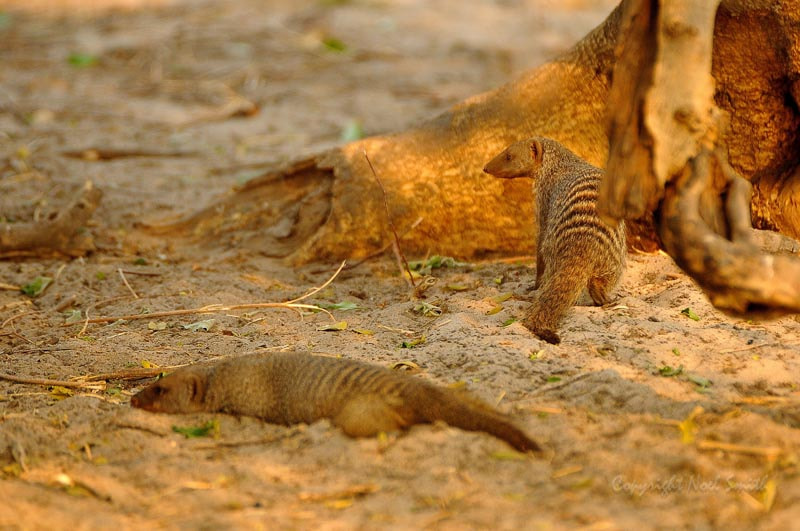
(547, 335)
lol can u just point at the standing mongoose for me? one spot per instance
(288, 388)
(576, 249)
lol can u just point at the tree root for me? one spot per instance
(59, 234)
(734, 273)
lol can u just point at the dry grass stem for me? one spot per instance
(125, 281)
(398, 249)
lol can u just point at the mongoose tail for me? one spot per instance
(463, 411)
(360, 398)
(557, 294)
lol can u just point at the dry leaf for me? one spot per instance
(333, 327)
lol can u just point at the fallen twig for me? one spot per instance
(15, 317)
(749, 347)
(91, 381)
(45, 381)
(130, 374)
(320, 288)
(214, 308)
(552, 387)
(141, 273)
(211, 308)
(398, 249)
(766, 451)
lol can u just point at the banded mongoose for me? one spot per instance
(287, 388)
(575, 249)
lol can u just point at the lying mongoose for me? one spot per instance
(576, 249)
(288, 388)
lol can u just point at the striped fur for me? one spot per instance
(576, 249)
(287, 388)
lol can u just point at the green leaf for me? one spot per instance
(82, 60)
(668, 371)
(363, 331)
(352, 131)
(509, 321)
(496, 309)
(140, 261)
(407, 365)
(457, 287)
(503, 297)
(676, 351)
(60, 393)
(427, 309)
(332, 44)
(413, 342)
(434, 262)
(553, 379)
(333, 327)
(36, 286)
(533, 356)
(508, 455)
(100, 275)
(699, 380)
(73, 316)
(200, 326)
(344, 305)
(209, 428)
(690, 314)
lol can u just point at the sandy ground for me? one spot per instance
(650, 419)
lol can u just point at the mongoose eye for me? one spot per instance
(159, 390)
(508, 156)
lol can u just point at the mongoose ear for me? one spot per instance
(536, 150)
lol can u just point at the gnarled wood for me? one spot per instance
(725, 268)
(662, 116)
(59, 234)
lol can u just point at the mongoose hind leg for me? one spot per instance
(601, 287)
(369, 414)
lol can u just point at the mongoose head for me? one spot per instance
(521, 159)
(180, 392)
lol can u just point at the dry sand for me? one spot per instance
(627, 444)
